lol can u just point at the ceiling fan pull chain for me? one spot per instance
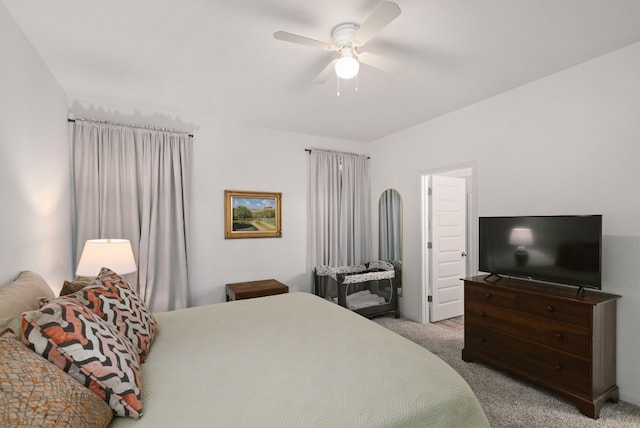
(356, 83)
(338, 81)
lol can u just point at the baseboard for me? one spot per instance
(630, 398)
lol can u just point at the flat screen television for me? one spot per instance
(559, 249)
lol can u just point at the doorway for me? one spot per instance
(448, 242)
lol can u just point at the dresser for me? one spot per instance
(545, 334)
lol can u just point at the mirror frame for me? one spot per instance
(400, 233)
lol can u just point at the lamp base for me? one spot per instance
(522, 256)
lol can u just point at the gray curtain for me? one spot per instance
(339, 209)
(133, 183)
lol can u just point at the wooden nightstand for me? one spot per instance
(251, 289)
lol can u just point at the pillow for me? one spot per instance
(35, 393)
(75, 285)
(23, 294)
(12, 323)
(111, 298)
(90, 350)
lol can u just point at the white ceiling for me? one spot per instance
(219, 58)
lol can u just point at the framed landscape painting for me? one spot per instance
(252, 214)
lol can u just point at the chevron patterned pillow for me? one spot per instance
(90, 350)
(111, 298)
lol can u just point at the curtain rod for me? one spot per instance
(133, 126)
(346, 153)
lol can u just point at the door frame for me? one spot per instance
(472, 228)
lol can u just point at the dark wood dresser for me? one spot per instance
(545, 334)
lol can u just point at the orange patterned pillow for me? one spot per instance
(90, 350)
(111, 298)
(35, 393)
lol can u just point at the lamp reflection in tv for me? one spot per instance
(521, 236)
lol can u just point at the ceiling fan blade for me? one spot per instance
(326, 73)
(295, 38)
(380, 18)
(381, 63)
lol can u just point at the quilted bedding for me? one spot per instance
(294, 360)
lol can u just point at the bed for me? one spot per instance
(293, 360)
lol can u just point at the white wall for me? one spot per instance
(35, 231)
(234, 157)
(566, 144)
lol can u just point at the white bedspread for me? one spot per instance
(294, 360)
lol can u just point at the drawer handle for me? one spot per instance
(482, 340)
(550, 309)
(558, 367)
(487, 295)
(483, 314)
(559, 335)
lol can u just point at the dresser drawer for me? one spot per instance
(554, 334)
(557, 309)
(528, 359)
(489, 295)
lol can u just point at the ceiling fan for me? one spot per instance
(348, 39)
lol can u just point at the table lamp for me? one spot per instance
(115, 254)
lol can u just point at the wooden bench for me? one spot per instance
(251, 289)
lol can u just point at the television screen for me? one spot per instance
(560, 249)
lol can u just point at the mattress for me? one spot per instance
(294, 360)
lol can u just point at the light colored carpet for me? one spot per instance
(506, 401)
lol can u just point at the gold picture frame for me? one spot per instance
(252, 214)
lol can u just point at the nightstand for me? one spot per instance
(251, 289)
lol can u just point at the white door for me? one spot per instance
(448, 238)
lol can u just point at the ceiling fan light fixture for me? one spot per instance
(347, 67)
(348, 39)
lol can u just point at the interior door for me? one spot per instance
(448, 246)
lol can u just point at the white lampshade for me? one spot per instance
(115, 254)
(347, 67)
(521, 236)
